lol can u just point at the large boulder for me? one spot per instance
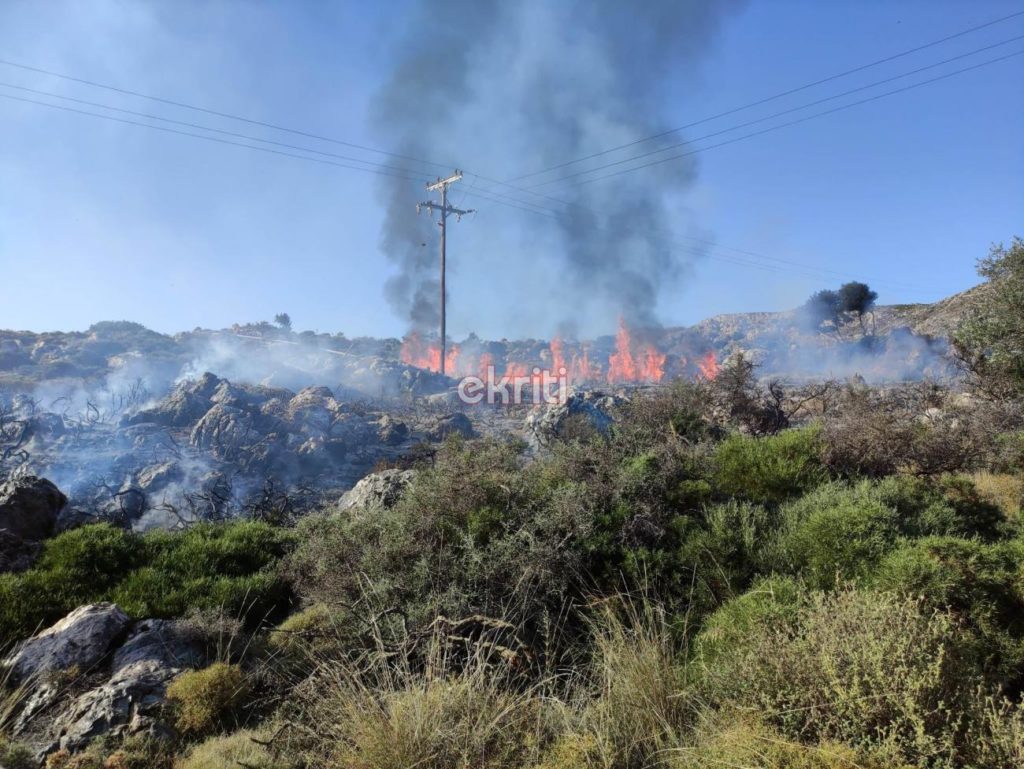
(311, 411)
(132, 700)
(81, 640)
(29, 507)
(391, 431)
(376, 491)
(587, 409)
(157, 476)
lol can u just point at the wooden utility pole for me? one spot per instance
(445, 209)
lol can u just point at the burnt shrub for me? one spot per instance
(915, 429)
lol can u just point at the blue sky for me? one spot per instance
(100, 220)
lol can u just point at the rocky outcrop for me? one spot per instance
(131, 701)
(587, 409)
(29, 510)
(81, 640)
(186, 403)
(15, 553)
(95, 674)
(29, 507)
(391, 431)
(376, 491)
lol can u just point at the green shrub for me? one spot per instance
(770, 601)
(92, 558)
(310, 636)
(14, 756)
(720, 553)
(952, 506)
(160, 574)
(203, 700)
(836, 533)
(475, 533)
(981, 585)
(841, 531)
(771, 469)
(874, 671)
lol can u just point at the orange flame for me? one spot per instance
(515, 368)
(581, 370)
(416, 352)
(485, 362)
(708, 365)
(654, 364)
(625, 365)
(557, 354)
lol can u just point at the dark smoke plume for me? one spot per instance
(508, 88)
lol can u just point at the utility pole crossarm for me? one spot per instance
(448, 210)
(442, 183)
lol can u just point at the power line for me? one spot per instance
(780, 114)
(773, 97)
(801, 120)
(215, 139)
(563, 202)
(383, 170)
(201, 127)
(228, 115)
(784, 266)
(570, 204)
(400, 172)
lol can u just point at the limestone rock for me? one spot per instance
(377, 490)
(81, 640)
(548, 424)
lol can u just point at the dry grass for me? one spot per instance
(636, 709)
(1003, 490)
(240, 749)
(381, 713)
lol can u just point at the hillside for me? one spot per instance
(906, 341)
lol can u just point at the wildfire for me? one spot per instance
(416, 352)
(581, 370)
(485, 362)
(632, 363)
(708, 365)
(557, 354)
(633, 360)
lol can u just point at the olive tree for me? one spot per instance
(990, 339)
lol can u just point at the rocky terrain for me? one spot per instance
(149, 430)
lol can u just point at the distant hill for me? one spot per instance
(894, 342)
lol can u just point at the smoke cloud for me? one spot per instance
(509, 88)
